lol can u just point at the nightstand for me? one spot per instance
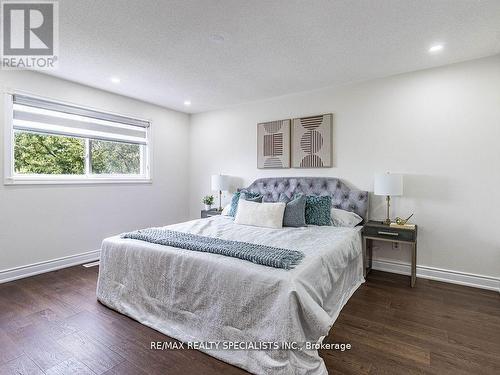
(378, 231)
(210, 213)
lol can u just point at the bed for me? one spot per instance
(246, 308)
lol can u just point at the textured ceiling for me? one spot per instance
(165, 52)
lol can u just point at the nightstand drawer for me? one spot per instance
(389, 233)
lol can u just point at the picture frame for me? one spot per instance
(273, 144)
(311, 141)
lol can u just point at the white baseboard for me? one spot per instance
(432, 273)
(47, 266)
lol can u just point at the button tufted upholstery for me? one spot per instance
(342, 196)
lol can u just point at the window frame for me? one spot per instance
(12, 178)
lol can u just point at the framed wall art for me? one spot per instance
(312, 141)
(273, 144)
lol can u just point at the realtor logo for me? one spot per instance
(29, 34)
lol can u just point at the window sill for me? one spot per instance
(74, 181)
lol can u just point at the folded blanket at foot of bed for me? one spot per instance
(260, 254)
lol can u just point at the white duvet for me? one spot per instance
(195, 296)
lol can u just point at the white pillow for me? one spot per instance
(342, 218)
(225, 210)
(268, 215)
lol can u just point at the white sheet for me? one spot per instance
(194, 296)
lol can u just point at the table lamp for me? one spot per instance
(388, 184)
(221, 183)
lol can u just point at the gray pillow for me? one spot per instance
(295, 210)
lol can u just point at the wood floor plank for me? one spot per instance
(346, 363)
(378, 360)
(69, 367)
(125, 368)
(388, 345)
(95, 355)
(44, 323)
(475, 344)
(415, 329)
(142, 336)
(454, 362)
(22, 365)
(45, 352)
(458, 321)
(127, 343)
(8, 349)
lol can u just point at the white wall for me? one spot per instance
(39, 223)
(440, 127)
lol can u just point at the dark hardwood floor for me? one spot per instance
(52, 324)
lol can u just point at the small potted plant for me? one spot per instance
(208, 200)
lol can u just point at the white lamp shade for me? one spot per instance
(388, 184)
(220, 182)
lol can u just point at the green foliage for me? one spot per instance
(115, 158)
(47, 154)
(208, 199)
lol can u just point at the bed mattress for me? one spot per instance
(202, 297)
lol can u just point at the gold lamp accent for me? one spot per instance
(400, 221)
(388, 184)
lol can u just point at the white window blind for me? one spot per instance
(47, 117)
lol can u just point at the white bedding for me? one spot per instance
(195, 296)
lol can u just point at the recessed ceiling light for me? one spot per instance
(187, 103)
(436, 48)
(217, 38)
(115, 79)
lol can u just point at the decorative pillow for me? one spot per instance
(267, 215)
(236, 197)
(295, 210)
(318, 210)
(225, 210)
(342, 218)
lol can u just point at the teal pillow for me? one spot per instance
(245, 195)
(318, 210)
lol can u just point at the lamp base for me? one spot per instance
(220, 201)
(388, 217)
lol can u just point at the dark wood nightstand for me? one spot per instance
(378, 231)
(210, 213)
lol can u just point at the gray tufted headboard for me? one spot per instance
(342, 196)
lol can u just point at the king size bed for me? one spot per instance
(247, 308)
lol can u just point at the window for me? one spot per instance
(47, 141)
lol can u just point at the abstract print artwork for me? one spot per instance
(273, 144)
(312, 141)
